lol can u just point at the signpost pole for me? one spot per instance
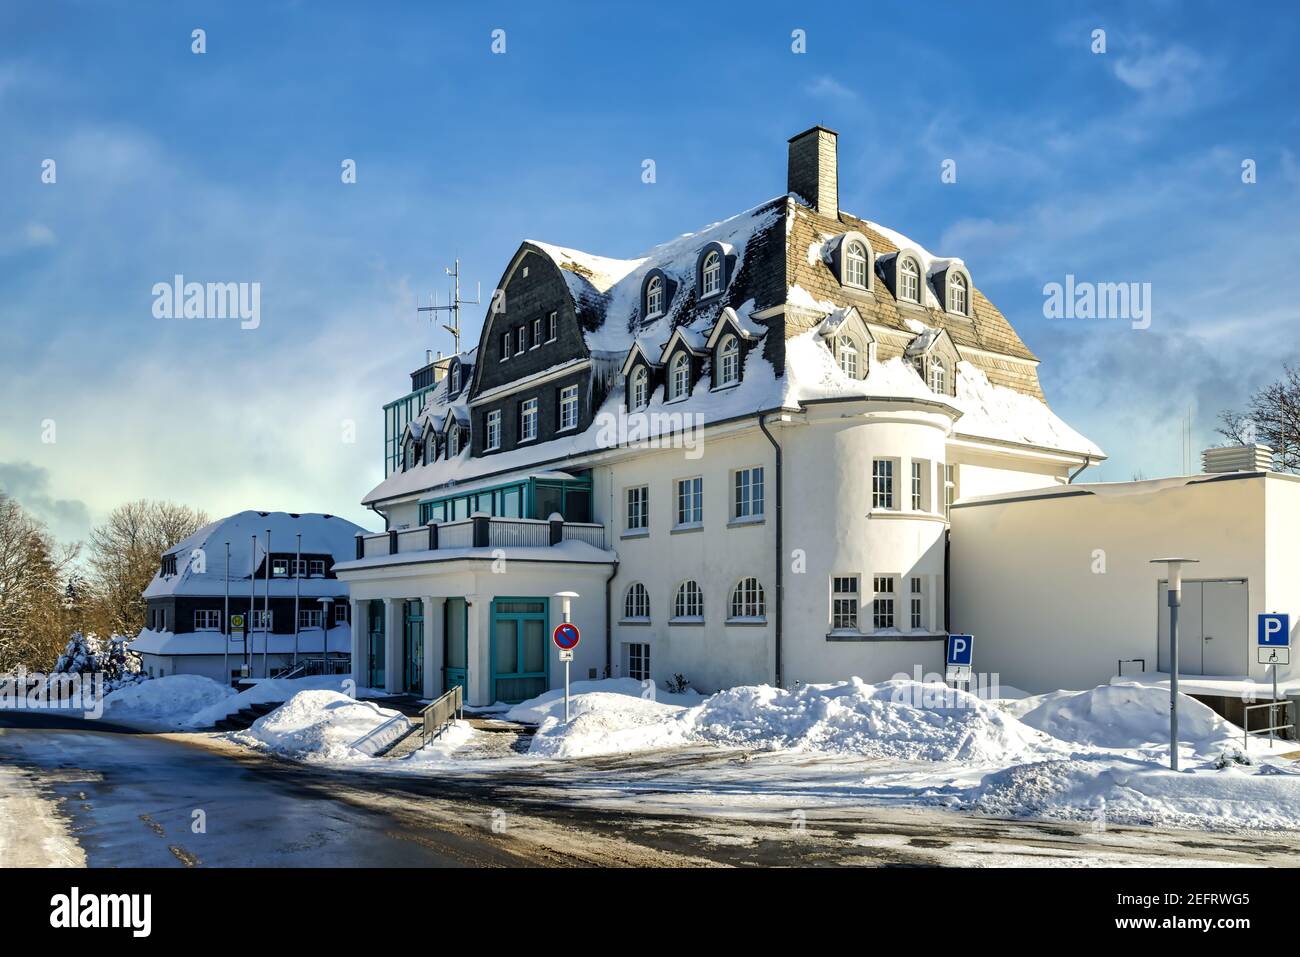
(566, 638)
(1175, 589)
(225, 630)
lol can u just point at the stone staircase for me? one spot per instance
(244, 717)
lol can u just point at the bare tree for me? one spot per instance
(125, 552)
(1272, 418)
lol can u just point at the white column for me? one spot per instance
(480, 662)
(433, 645)
(393, 645)
(359, 621)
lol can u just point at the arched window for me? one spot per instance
(938, 376)
(453, 442)
(855, 265)
(654, 297)
(637, 603)
(711, 274)
(957, 294)
(729, 361)
(848, 356)
(680, 381)
(640, 388)
(689, 602)
(453, 379)
(909, 280)
(747, 600)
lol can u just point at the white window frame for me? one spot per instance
(949, 490)
(909, 280)
(636, 603)
(938, 376)
(207, 619)
(493, 430)
(855, 266)
(689, 499)
(688, 601)
(537, 333)
(552, 326)
(340, 612)
(507, 341)
(306, 617)
(316, 568)
(521, 340)
(916, 603)
(654, 297)
(958, 294)
(299, 566)
(568, 408)
(637, 654)
(728, 362)
(636, 514)
(747, 494)
(711, 274)
(846, 604)
(528, 420)
(884, 602)
(261, 620)
(920, 485)
(882, 484)
(453, 441)
(679, 378)
(279, 568)
(847, 348)
(640, 388)
(748, 601)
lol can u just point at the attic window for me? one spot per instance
(679, 382)
(958, 295)
(551, 324)
(938, 376)
(453, 442)
(909, 280)
(728, 362)
(855, 265)
(453, 379)
(848, 356)
(711, 275)
(654, 298)
(505, 347)
(640, 388)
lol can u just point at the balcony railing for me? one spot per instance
(480, 531)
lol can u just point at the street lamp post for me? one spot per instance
(1175, 569)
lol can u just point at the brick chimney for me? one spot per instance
(813, 170)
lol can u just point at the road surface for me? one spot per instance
(105, 799)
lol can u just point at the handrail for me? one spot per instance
(1272, 706)
(438, 715)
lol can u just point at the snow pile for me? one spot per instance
(327, 726)
(899, 719)
(551, 703)
(605, 723)
(269, 691)
(171, 700)
(1128, 717)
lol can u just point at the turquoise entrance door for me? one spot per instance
(413, 647)
(455, 648)
(519, 660)
(375, 646)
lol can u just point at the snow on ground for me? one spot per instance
(166, 702)
(326, 726)
(271, 690)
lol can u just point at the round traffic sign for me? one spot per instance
(566, 636)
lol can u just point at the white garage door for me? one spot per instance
(1212, 628)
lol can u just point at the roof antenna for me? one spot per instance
(454, 305)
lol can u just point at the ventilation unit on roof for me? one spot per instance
(1237, 458)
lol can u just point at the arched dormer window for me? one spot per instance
(654, 297)
(453, 442)
(640, 388)
(679, 379)
(453, 379)
(958, 294)
(711, 274)
(938, 376)
(728, 361)
(909, 280)
(848, 357)
(855, 265)
(636, 606)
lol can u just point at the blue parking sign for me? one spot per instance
(961, 649)
(1274, 631)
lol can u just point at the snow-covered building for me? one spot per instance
(739, 449)
(199, 619)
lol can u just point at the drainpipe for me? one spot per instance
(1087, 461)
(780, 547)
(609, 623)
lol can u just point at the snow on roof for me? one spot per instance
(930, 263)
(321, 534)
(209, 642)
(996, 412)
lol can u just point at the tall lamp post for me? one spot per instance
(1175, 571)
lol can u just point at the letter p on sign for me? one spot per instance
(1274, 631)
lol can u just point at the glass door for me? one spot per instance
(413, 647)
(456, 645)
(519, 660)
(375, 646)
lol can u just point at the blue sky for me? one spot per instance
(1116, 167)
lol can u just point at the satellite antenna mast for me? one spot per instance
(453, 306)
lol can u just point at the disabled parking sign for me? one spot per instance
(1274, 639)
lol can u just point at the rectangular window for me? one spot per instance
(494, 429)
(918, 486)
(309, 618)
(528, 420)
(882, 607)
(882, 483)
(522, 342)
(552, 324)
(637, 661)
(280, 567)
(638, 508)
(207, 620)
(690, 501)
(341, 612)
(299, 568)
(844, 603)
(505, 347)
(261, 620)
(317, 567)
(918, 603)
(568, 407)
(537, 332)
(747, 501)
(949, 490)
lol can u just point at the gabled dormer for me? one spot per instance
(641, 373)
(455, 428)
(934, 356)
(728, 344)
(682, 358)
(849, 341)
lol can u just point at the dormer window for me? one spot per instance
(654, 297)
(711, 275)
(453, 442)
(848, 356)
(909, 280)
(958, 294)
(728, 362)
(855, 265)
(453, 379)
(679, 381)
(640, 388)
(938, 376)
(505, 346)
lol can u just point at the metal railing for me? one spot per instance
(519, 533)
(587, 532)
(480, 532)
(443, 712)
(1272, 706)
